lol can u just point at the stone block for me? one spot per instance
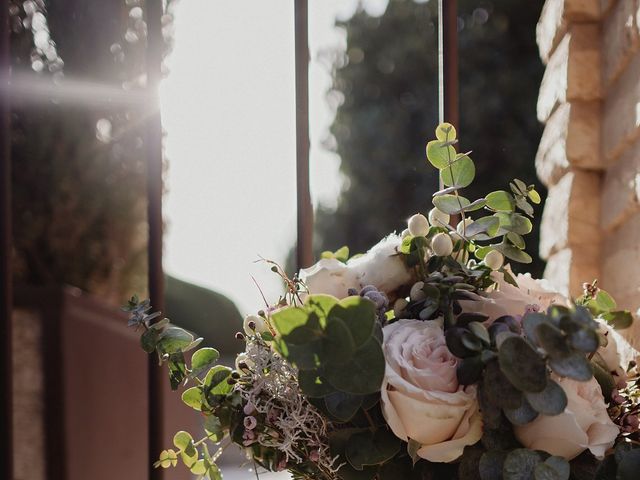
(621, 189)
(621, 111)
(572, 70)
(570, 138)
(571, 214)
(620, 39)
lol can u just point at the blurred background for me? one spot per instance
(228, 111)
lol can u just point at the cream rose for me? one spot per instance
(584, 424)
(381, 267)
(530, 295)
(421, 397)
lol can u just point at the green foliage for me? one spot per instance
(386, 97)
(334, 346)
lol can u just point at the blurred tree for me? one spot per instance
(79, 173)
(386, 87)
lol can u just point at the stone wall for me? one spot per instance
(589, 154)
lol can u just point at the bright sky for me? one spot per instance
(228, 109)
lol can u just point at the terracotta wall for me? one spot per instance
(589, 154)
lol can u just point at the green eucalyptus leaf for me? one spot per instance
(359, 316)
(522, 365)
(451, 204)
(192, 397)
(149, 340)
(552, 340)
(585, 340)
(488, 225)
(313, 384)
(491, 464)
(446, 132)
(523, 205)
(619, 320)
(575, 366)
(343, 406)
(604, 378)
(182, 440)
(338, 344)
(550, 401)
(514, 222)
(460, 173)
(174, 339)
(288, 319)
(516, 239)
(520, 464)
(372, 448)
(560, 466)
(501, 201)
(440, 154)
(513, 253)
(534, 196)
(364, 374)
(203, 359)
(522, 415)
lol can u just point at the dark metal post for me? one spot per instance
(6, 379)
(153, 143)
(304, 248)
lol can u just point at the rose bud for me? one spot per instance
(418, 225)
(442, 245)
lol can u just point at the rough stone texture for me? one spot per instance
(556, 15)
(620, 39)
(621, 253)
(571, 215)
(570, 73)
(621, 111)
(568, 269)
(621, 189)
(570, 138)
(28, 397)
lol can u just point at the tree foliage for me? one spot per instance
(386, 85)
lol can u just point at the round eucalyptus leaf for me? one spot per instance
(522, 365)
(342, 406)
(560, 465)
(530, 323)
(585, 339)
(451, 204)
(459, 173)
(551, 401)
(552, 340)
(522, 415)
(446, 132)
(440, 154)
(500, 200)
(491, 463)
(575, 366)
(455, 344)
(520, 464)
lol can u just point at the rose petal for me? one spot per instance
(468, 433)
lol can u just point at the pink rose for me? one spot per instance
(584, 424)
(421, 397)
(530, 295)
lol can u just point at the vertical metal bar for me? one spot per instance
(153, 143)
(450, 83)
(6, 294)
(304, 251)
(448, 110)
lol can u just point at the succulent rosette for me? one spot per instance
(425, 357)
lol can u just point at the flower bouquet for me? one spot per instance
(425, 358)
